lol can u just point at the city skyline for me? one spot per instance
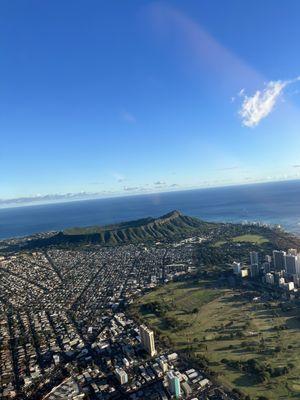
(105, 99)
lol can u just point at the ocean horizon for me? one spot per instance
(275, 203)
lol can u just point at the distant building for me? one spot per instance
(278, 258)
(291, 264)
(266, 266)
(253, 258)
(270, 278)
(268, 258)
(121, 376)
(186, 389)
(147, 339)
(281, 282)
(244, 272)
(163, 365)
(292, 252)
(254, 270)
(289, 286)
(174, 384)
(236, 267)
(296, 280)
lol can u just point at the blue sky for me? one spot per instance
(124, 97)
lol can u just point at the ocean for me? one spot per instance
(272, 203)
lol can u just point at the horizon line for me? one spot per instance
(72, 197)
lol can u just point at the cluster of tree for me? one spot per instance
(261, 370)
(156, 308)
(175, 324)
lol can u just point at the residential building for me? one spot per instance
(270, 278)
(121, 376)
(254, 270)
(236, 267)
(147, 339)
(174, 384)
(266, 267)
(291, 264)
(253, 257)
(278, 258)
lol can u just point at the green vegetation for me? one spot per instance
(250, 238)
(254, 347)
(246, 238)
(168, 228)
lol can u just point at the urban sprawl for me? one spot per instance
(65, 332)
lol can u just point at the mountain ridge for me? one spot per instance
(170, 226)
(164, 227)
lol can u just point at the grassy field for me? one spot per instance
(249, 238)
(255, 239)
(232, 327)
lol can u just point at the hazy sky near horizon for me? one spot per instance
(113, 97)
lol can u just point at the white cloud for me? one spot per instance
(48, 198)
(260, 105)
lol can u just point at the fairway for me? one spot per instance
(247, 238)
(255, 239)
(225, 324)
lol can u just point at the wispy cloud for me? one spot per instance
(131, 188)
(258, 106)
(296, 166)
(160, 183)
(128, 117)
(49, 198)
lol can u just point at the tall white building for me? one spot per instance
(121, 376)
(278, 258)
(147, 339)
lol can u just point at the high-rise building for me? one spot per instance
(147, 339)
(278, 258)
(254, 270)
(121, 376)
(253, 257)
(266, 266)
(290, 262)
(174, 384)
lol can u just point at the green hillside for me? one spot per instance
(169, 226)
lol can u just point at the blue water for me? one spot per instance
(274, 203)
